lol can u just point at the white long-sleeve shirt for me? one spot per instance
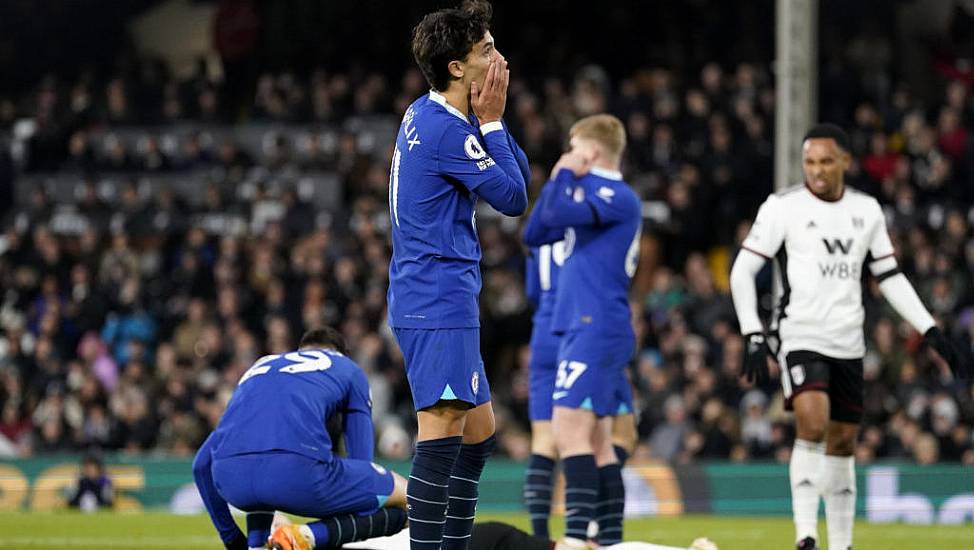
(821, 248)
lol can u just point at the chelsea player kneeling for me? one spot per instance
(271, 451)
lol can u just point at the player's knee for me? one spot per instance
(841, 441)
(606, 454)
(574, 439)
(811, 431)
(542, 440)
(624, 433)
(811, 422)
(841, 447)
(479, 431)
(441, 420)
(547, 450)
(398, 497)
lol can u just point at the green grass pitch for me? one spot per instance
(159, 530)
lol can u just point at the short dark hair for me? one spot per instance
(446, 35)
(324, 337)
(93, 458)
(829, 130)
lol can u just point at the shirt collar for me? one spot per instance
(605, 173)
(438, 97)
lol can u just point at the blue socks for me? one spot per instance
(427, 491)
(612, 502)
(463, 493)
(581, 494)
(338, 530)
(621, 454)
(537, 492)
(258, 528)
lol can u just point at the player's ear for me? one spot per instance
(846, 159)
(596, 153)
(455, 68)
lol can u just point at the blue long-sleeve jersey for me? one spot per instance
(282, 403)
(541, 281)
(442, 163)
(306, 388)
(600, 216)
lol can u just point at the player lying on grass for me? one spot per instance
(271, 451)
(494, 535)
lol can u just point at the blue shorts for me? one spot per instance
(623, 394)
(541, 374)
(300, 485)
(443, 364)
(591, 372)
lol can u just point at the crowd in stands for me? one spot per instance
(131, 307)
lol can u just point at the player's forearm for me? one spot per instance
(558, 208)
(215, 505)
(536, 233)
(359, 435)
(901, 295)
(508, 195)
(746, 267)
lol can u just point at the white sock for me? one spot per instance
(839, 491)
(805, 472)
(308, 535)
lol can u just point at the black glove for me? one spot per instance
(756, 352)
(239, 542)
(948, 351)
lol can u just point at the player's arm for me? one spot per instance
(218, 508)
(761, 244)
(532, 279)
(746, 267)
(565, 207)
(359, 431)
(536, 233)
(900, 294)
(765, 238)
(493, 174)
(508, 195)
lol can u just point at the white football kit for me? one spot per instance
(821, 248)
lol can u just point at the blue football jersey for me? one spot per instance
(283, 402)
(442, 163)
(602, 221)
(543, 267)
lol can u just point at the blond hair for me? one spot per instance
(606, 130)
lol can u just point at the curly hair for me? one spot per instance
(447, 35)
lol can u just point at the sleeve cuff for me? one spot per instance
(491, 127)
(883, 265)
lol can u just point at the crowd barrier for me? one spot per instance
(891, 492)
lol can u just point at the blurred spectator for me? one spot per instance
(667, 439)
(156, 252)
(94, 489)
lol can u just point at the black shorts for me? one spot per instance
(841, 379)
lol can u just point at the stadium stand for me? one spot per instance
(155, 243)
